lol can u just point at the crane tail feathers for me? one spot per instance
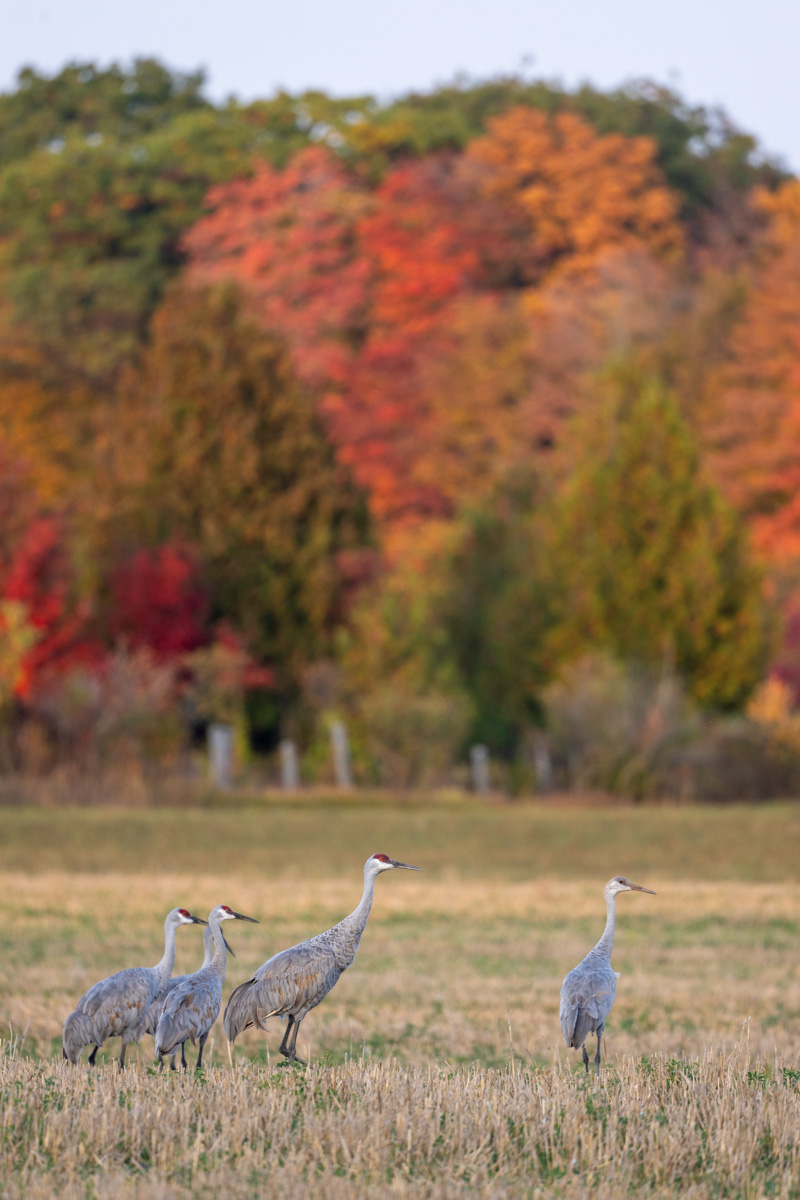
(241, 1011)
(576, 1025)
(78, 1032)
(170, 1034)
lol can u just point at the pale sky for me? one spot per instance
(740, 54)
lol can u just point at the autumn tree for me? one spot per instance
(219, 447)
(753, 429)
(288, 238)
(375, 294)
(158, 602)
(653, 563)
(581, 194)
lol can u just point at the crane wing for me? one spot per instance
(190, 1010)
(292, 982)
(121, 1001)
(157, 1006)
(587, 995)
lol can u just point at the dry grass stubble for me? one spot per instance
(723, 1126)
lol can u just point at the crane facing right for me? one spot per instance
(587, 993)
(296, 980)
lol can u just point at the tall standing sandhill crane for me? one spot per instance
(118, 1006)
(157, 1007)
(193, 1006)
(588, 992)
(293, 982)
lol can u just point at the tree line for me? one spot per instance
(442, 415)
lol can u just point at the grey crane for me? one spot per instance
(118, 1006)
(157, 1007)
(294, 981)
(587, 993)
(192, 1007)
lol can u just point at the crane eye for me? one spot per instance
(382, 857)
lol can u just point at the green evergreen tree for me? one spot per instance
(216, 445)
(498, 614)
(652, 563)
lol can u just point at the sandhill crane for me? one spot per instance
(157, 1007)
(293, 982)
(118, 1006)
(192, 1007)
(588, 992)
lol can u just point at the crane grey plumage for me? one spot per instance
(157, 1007)
(588, 991)
(118, 1006)
(192, 1006)
(294, 981)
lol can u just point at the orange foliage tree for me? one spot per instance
(755, 438)
(581, 193)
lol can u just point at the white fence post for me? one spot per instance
(220, 749)
(479, 762)
(341, 755)
(542, 762)
(290, 770)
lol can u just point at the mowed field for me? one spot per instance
(437, 1063)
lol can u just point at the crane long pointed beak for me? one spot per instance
(198, 920)
(242, 917)
(229, 947)
(405, 866)
(635, 887)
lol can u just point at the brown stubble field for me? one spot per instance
(438, 1067)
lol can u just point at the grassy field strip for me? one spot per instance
(468, 842)
(442, 965)
(724, 1126)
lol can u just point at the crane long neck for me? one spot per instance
(208, 948)
(164, 967)
(219, 961)
(606, 943)
(357, 920)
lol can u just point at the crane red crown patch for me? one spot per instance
(184, 913)
(382, 857)
(225, 908)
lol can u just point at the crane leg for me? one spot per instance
(92, 1056)
(122, 1056)
(283, 1048)
(201, 1041)
(184, 1063)
(597, 1056)
(293, 1046)
(585, 1058)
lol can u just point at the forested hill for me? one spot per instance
(316, 403)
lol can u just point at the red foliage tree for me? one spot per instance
(159, 603)
(39, 577)
(289, 239)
